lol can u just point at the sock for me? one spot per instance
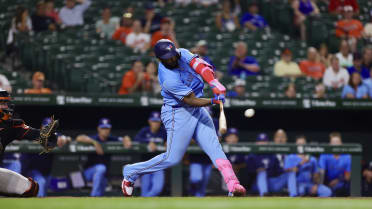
(225, 167)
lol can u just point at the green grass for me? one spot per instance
(185, 203)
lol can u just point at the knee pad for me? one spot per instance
(33, 190)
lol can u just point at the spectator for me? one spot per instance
(206, 3)
(324, 55)
(335, 76)
(71, 14)
(280, 137)
(349, 28)
(166, 32)
(153, 135)
(97, 164)
(252, 20)
(367, 32)
(312, 67)
(320, 91)
(290, 92)
(368, 83)
(239, 89)
(151, 22)
(21, 23)
(5, 84)
(336, 168)
(344, 55)
(270, 174)
(358, 67)
(137, 40)
(125, 28)
(201, 167)
(303, 176)
(153, 82)
(40, 21)
(107, 25)
(225, 19)
(134, 80)
(367, 56)
(38, 85)
(303, 9)
(240, 64)
(337, 6)
(50, 11)
(355, 89)
(201, 49)
(285, 67)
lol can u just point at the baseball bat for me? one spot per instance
(222, 120)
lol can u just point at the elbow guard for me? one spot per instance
(203, 69)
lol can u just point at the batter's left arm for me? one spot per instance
(206, 72)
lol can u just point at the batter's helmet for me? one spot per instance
(165, 49)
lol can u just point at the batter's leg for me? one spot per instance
(180, 125)
(14, 184)
(205, 135)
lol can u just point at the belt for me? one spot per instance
(174, 106)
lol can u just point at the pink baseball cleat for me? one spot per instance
(127, 188)
(239, 191)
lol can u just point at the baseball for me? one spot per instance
(249, 113)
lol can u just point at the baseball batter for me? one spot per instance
(181, 76)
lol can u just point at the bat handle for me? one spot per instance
(221, 106)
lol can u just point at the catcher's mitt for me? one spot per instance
(48, 136)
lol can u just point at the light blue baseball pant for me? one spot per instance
(305, 189)
(272, 184)
(14, 165)
(96, 174)
(43, 182)
(181, 124)
(152, 184)
(199, 178)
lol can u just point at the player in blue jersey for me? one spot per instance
(270, 175)
(336, 168)
(97, 164)
(152, 135)
(303, 174)
(181, 76)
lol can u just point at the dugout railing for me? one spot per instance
(123, 155)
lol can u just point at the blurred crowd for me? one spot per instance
(347, 71)
(292, 175)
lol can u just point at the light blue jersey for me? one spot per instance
(305, 171)
(335, 167)
(180, 82)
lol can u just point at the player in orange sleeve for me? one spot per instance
(135, 79)
(311, 67)
(125, 28)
